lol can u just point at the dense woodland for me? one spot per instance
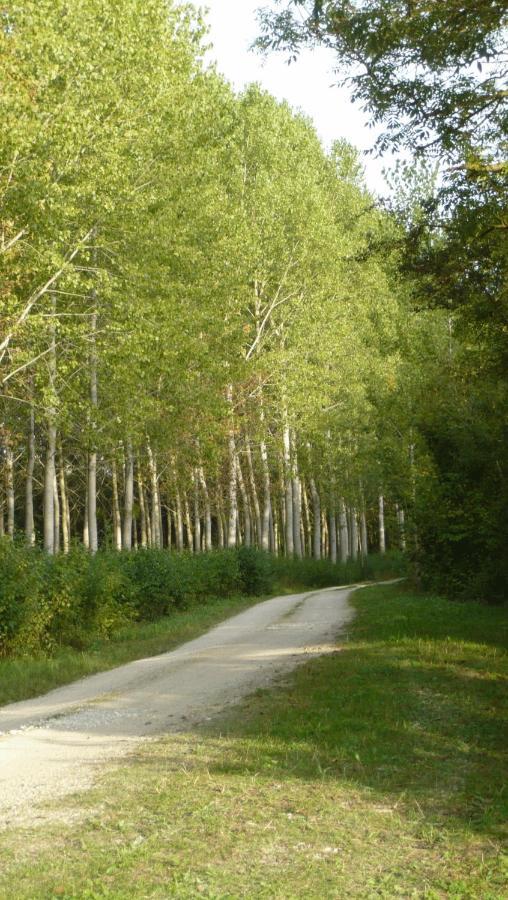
(212, 335)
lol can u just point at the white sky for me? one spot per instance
(307, 84)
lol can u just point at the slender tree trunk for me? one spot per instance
(85, 520)
(382, 535)
(64, 502)
(156, 508)
(232, 484)
(297, 517)
(364, 542)
(92, 458)
(9, 489)
(245, 501)
(197, 518)
(316, 515)
(306, 522)
(288, 491)
(128, 498)
(221, 530)
(188, 523)
(254, 493)
(332, 531)
(267, 499)
(343, 533)
(56, 503)
(208, 510)
(178, 518)
(354, 534)
(143, 513)
(49, 469)
(117, 518)
(401, 519)
(29, 490)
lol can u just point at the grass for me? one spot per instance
(24, 677)
(378, 771)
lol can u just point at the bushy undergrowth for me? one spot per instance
(48, 602)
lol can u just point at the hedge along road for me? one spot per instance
(57, 744)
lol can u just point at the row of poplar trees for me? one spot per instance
(203, 339)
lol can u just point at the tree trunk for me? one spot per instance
(254, 493)
(288, 492)
(197, 518)
(343, 533)
(364, 542)
(92, 458)
(85, 520)
(117, 518)
(332, 532)
(49, 468)
(188, 524)
(208, 510)
(56, 502)
(128, 498)
(178, 519)
(9, 490)
(232, 484)
(246, 506)
(382, 535)
(316, 515)
(306, 522)
(354, 534)
(156, 508)
(29, 493)
(267, 499)
(401, 519)
(64, 503)
(297, 516)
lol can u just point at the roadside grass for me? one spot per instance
(377, 771)
(27, 676)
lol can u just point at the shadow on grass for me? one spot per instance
(419, 713)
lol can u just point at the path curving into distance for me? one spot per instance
(57, 744)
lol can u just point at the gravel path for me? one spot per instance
(57, 744)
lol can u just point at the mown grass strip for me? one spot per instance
(378, 771)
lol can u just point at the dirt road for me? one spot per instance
(57, 744)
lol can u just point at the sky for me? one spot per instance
(308, 85)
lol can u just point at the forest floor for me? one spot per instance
(378, 771)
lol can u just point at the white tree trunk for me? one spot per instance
(64, 501)
(197, 517)
(208, 510)
(156, 507)
(343, 533)
(246, 507)
(267, 499)
(188, 523)
(332, 534)
(401, 519)
(364, 542)
(382, 535)
(92, 458)
(128, 498)
(56, 503)
(9, 490)
(117, 518)
(29, 493)
(316, 515)
(232, 483)
(288, 492)
(254, 493)
(354, 534)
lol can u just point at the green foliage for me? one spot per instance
(76, 599)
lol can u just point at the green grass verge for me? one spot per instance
(24, 677)
(378, 771)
